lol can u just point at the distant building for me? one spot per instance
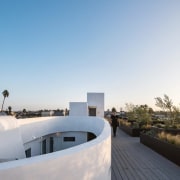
(3, 114)
(47, 113)
(58, 113)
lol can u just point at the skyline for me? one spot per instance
(53, 53)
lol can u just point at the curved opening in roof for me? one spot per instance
(72, 163)
(56, 142)
(37, 136)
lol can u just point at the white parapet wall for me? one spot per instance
(11, 145)
(90, 160)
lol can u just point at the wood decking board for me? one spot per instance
(132, 160)
(118, 173)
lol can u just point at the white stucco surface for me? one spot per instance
(7, 123)
(90, 160)
(78, 109)
(11, 145)
(96, 100)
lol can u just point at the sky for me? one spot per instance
(54, 52)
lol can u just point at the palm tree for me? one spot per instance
(5, 94)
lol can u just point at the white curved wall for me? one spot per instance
(91, 160)
(11, 145)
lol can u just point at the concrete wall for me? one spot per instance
(96, 100)
(91, 160)
(78, 109)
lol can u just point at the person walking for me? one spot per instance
(114, 121)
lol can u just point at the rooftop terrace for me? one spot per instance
(132, 160)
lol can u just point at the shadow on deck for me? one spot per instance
(132, 160)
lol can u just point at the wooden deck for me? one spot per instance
(132, 160)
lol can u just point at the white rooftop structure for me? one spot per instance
(78, 109)
(93, 107)
(96, 104)
(65, 147)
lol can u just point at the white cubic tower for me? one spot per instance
(95, 104)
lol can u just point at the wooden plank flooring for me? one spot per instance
(132, 160)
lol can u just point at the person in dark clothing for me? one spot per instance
(114, 123)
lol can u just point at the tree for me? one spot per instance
(160, 103)
(130, 108)
(24, 111)
(139, 113)
(166, 105)
(175, 114)
(143, 115)
(113, 109)
(151, 111)
(5, 94)
(9, 108)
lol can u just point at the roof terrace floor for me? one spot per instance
(132, 160)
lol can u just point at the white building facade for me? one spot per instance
(73, 147)
(93, 107)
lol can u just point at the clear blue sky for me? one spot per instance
(54, 52)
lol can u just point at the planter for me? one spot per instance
(168, 150)
(170, 130)
(134, 132)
